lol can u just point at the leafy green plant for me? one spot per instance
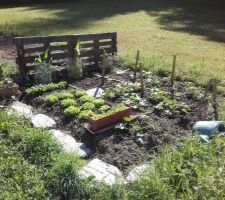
(156, 95)
(114, 109)
(104, 108)
(50, 100)
(99, 102)
(86, 98)
(172, 107)
(45, 68)
(79, 93)
(65, 103)
(42, 88)
(71, 111)
(83, 114)
(88, 106)
(65, 95)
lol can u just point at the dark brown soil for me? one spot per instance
(121, 147)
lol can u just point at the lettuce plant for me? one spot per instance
(71, 111)
(65, 103)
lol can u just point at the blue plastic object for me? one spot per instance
(207, 128)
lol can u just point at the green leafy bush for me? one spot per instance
(71, 111)
(86, 98)
(65, 103)
(88, 106)
(99, 102)
(80, 93)
(50, 100)
(65, 95)
(42, 88)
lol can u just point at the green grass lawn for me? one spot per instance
(192, 30)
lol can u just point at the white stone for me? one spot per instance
(102, 172)
(136, 172)
(69, 144)
(22, 109)
(42, 121)
(95, 92)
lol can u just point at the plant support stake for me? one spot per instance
(214, 98)
(136, 65)
(142, 81)
(172, 76)
(103, 67)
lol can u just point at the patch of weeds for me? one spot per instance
(156, 95)
(63, 178)
(65, 103)
(71, 111)
(172, 107)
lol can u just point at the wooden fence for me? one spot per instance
(62, 50)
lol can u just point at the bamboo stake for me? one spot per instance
(136, 65)
(214, 98)
(172, 76)
(142, 81)
(103, 67)
(173, 70)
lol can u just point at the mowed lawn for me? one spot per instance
(194, 30)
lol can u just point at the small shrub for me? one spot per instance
(83, 114)
(80, 93)
(99, 102)
(88, 106)
(86, 98)
(71, 111)
(65, 95)
(50, 100)
(65, 103)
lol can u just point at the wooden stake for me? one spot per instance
(136, 65)
(173, 70)
(214, 98)
(103, 67)
(142, 81)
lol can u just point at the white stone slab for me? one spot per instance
(95, 92)
(102, 172)
(42, 121)
(136, 172)
(22, 109)
(69, 143)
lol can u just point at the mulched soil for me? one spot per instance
(119, 147)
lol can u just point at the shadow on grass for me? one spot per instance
(199, 17)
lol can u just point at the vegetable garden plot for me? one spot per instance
(160, 118)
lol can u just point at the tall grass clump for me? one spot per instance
(193, 170)
(64, 181)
